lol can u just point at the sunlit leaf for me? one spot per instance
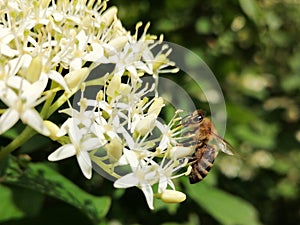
(251, 8)
(224, 207)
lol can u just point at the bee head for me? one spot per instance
(193, 119)
(198, 116)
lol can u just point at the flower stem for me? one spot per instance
(26, 134)
(104, 166)
(48, 103)
(58, 103)
(64, 97)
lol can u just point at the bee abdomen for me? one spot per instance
(202, 166)
(199, 172)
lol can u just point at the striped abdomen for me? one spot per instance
(205, 157)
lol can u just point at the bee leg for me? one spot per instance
(194, 178)
(196, 175)
(192, 159)
(188, 142)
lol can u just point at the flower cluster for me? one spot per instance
(119, 134)
(42, 41)
(48, 49)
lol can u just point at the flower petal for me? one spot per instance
(62, 152)
(85, 163)
(34, 91)
(76, 64)
(8, 119)
(73, 131)
(148, 192)
(8, 51)
(58, 78)
(91, 144)
(33, 119)
(129, 180)
(129, 157)
(96, 54)
(18, 83)
(16, 63)
(64, 128)
(9, 97)
(163, 183)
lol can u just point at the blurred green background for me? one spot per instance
(253, 49)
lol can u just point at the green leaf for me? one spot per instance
(291, 83)
(3, 166)
(203, 26)
(224, 207)
(24, 198)
(252, 10)
(261, 136)
(41, 178)
(11, 134)
(166, 25)
(8, 208)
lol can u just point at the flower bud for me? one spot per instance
(114, 150)
(75, 78)
(34, 70)
(139, 106)
(172, 196)
(53, 128)
(159, 61)
(100, 95)
(156, 106)
(44, 3)
(119, 42)
(145, 125)
(181, 151)
(113, 87)
(125, 89)
(109, 15)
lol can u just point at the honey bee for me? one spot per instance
(200, 132)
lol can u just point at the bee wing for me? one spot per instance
(224, 145)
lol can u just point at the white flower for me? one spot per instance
(145, 174)
(165, 173)
(63, 36)
(21, 103)
(81, 143)
(62, 41)
(129, 119)
(6, 36)
(143, 177)
(130, 59)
